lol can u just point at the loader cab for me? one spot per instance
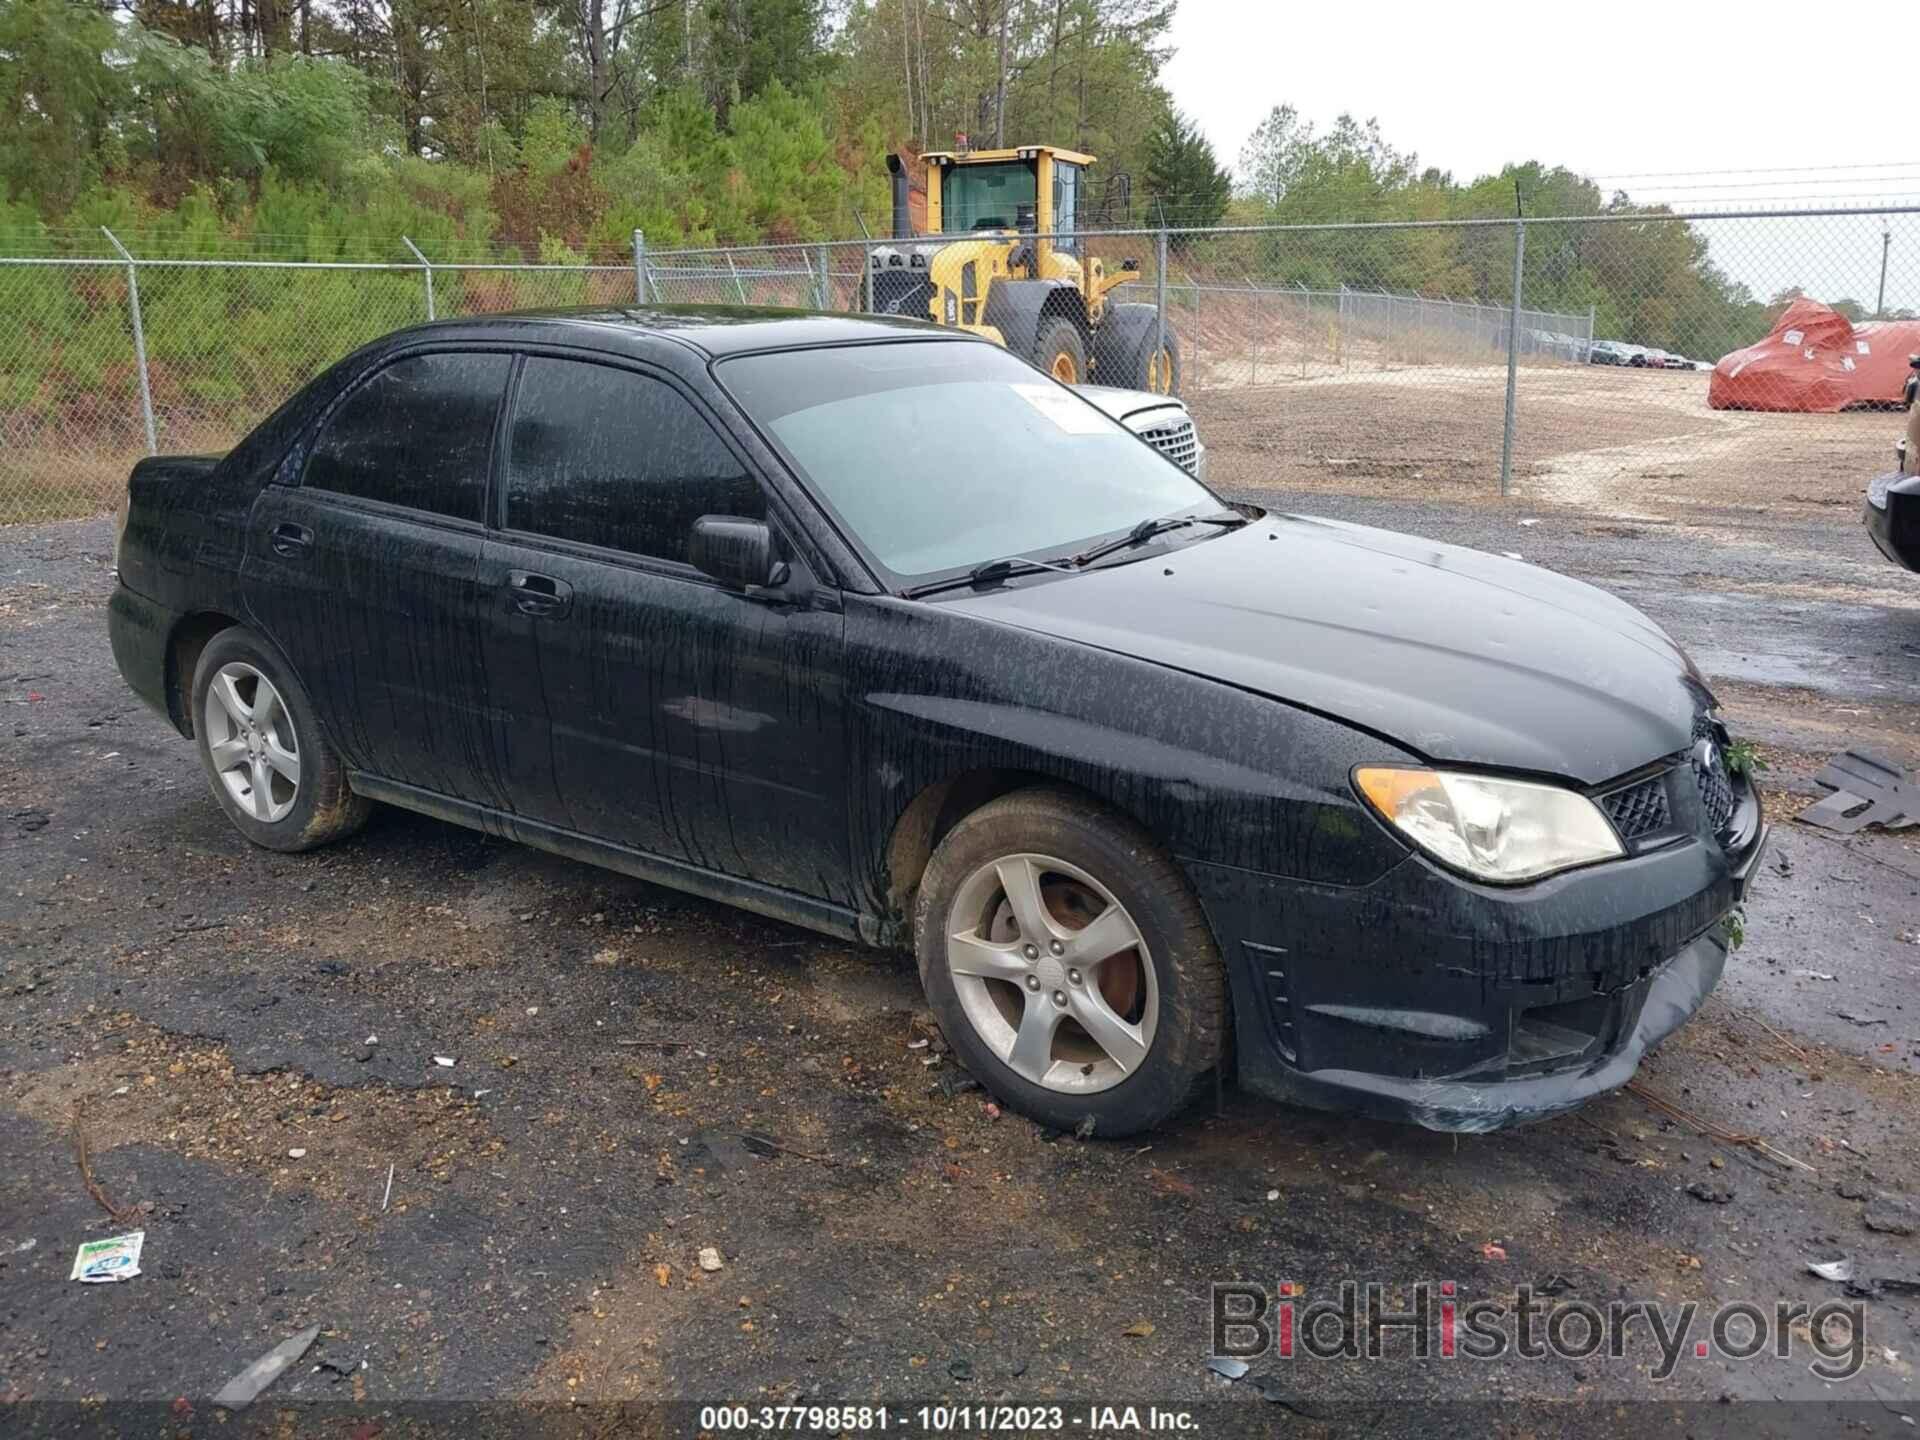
(974, 190)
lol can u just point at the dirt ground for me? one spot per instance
(1614, 440)
(248, 1044)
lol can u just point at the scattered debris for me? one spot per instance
(1273, 1194)
(1491, 1251)
(1867, 789)
(389, 1192)
(1084, 1130)
(765, 1146)
(25, 1245)
(1889, 1215)
(101, 1262)
(1555, 1284)
(119, 1214)
(444, 1061)
(1226, 1367)
(1816, 975)
(1709, 1194)
(240, 1391)
(710, 1260)
(1666, 1107)
(961, 1369)
(1274, 1392)
(1852, 1190)
(953, 1084)
(1841, 1269)
(297, 1153)
(1861, 1020)
(1138, 1330)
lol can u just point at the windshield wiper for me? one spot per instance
(986, 573)
(1147, 529)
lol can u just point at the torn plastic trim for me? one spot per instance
(1467, 1107)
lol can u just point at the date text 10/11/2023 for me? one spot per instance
(943, 1419)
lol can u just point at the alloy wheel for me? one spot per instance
(1052, 973)
(251, 742)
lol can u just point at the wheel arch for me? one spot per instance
(187, 640)
(931, 815)
(1019, 308)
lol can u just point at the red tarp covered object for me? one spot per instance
(1815, 360)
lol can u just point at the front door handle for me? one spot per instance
(290, 539)
(535, 594)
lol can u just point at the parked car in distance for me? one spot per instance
(869, 626)
(1892, 514)
(1161, 420)
(1609, 352)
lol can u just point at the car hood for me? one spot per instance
(1119, 404)
(1459, 655)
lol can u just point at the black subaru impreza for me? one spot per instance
(871, 627)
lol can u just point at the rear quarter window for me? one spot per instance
(419, 433)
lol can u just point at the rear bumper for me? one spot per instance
(1892, 518)
(138, 630)
(1427, 998)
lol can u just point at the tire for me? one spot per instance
(1061, 352)
(1168, 991)
(1124, 348)
(306, 801)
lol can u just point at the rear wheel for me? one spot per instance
(1069, 965)
(282, 785)
(1061, 352)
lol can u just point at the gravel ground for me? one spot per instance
(247, 1042)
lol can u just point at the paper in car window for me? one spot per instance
(1074, 417)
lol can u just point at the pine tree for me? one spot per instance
(1185, 183)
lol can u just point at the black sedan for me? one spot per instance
(1893, 500)
(871, 627)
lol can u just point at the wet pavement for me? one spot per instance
(247, 1042)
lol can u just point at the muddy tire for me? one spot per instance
(270, 767)
(1061, 352)
(1069, 965)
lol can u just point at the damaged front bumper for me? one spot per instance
(1468, 1007)
(1892, 518)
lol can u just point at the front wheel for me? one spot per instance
(1061, 352)
(1069, 965)
(282, 785)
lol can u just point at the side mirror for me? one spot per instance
(735, 551)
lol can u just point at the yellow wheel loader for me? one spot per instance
(999, 258)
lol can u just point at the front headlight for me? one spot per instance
(1504, 830)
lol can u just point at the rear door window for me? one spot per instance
(612, 458)
(419, 434)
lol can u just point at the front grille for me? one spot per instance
(1711, 775)
(1175, 441)
(1639, 810)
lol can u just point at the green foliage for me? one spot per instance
(1185, 184)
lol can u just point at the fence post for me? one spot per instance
(639, 268)
(824, 300)
(139, 341)
(426, 268)
(1160, 304)
(864, 296)
(1513, 354)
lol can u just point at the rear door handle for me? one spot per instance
(290, 539)
(535, 594)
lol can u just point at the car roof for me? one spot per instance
(714, 330)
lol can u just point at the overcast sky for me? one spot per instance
(1671, 102)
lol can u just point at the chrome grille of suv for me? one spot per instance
(1175, 441)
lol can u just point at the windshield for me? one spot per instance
(976, 196)
(938, 456)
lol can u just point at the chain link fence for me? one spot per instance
(1550, 361)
